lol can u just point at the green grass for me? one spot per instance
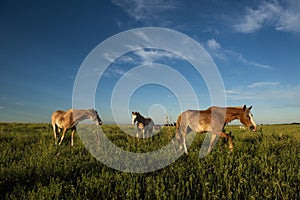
(263, 165)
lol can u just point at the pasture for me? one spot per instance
(263, 165)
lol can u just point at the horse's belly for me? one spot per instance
(203, 127)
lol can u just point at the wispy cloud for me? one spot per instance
(226, 54)
(146, 10)
(263, 84)
(142, 56)
(114, 71)
(150, 56)
(271, 14)
(276, 94)
(137, 57)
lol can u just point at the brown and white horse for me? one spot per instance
(144, 125)
(69, 119)
(214, 119)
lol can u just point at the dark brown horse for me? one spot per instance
(69, 119)
(214, 119)
(144, 125)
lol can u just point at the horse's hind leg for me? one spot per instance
(72, 136)
(212, 141)
(230, 141)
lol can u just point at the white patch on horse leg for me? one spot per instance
(73, 132)
(54, 134)
(184, 145)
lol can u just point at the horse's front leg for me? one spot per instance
(181, 133)
(62, 136)
(137, 132)
(143, 132)
(230, 141)
(54, 134)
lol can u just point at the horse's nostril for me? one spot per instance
(251, 127)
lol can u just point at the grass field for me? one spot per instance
(263, 165)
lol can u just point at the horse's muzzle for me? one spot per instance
(253, 128)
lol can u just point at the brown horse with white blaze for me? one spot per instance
(214, 119)
(69, 119)
(144, 125)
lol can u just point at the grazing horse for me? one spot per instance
(69, 119)
(144, 125)
(214, 119)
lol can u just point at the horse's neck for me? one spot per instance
(80, 115)
(232, 114)
(141, 119)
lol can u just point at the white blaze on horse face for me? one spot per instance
(252, 121)
(133, 117)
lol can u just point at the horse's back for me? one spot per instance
(149, 121)
(58, 115)
(197, 120)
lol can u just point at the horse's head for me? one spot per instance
(246, 118)
(134, 116)
(95, 117)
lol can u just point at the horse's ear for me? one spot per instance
(244, 108)
(250, 107)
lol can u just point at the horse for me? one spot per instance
(144, 125)
(69, 119)
(214, 120)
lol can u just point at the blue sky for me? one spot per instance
(255, 45)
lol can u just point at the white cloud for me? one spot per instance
(271, 14)
(213, 44)
(225, 54)
(269, 94)
(150, 56)
(263, 84)
(114, 71)
(136, 57)
(146, 10)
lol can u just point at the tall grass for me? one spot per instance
(263, 165)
